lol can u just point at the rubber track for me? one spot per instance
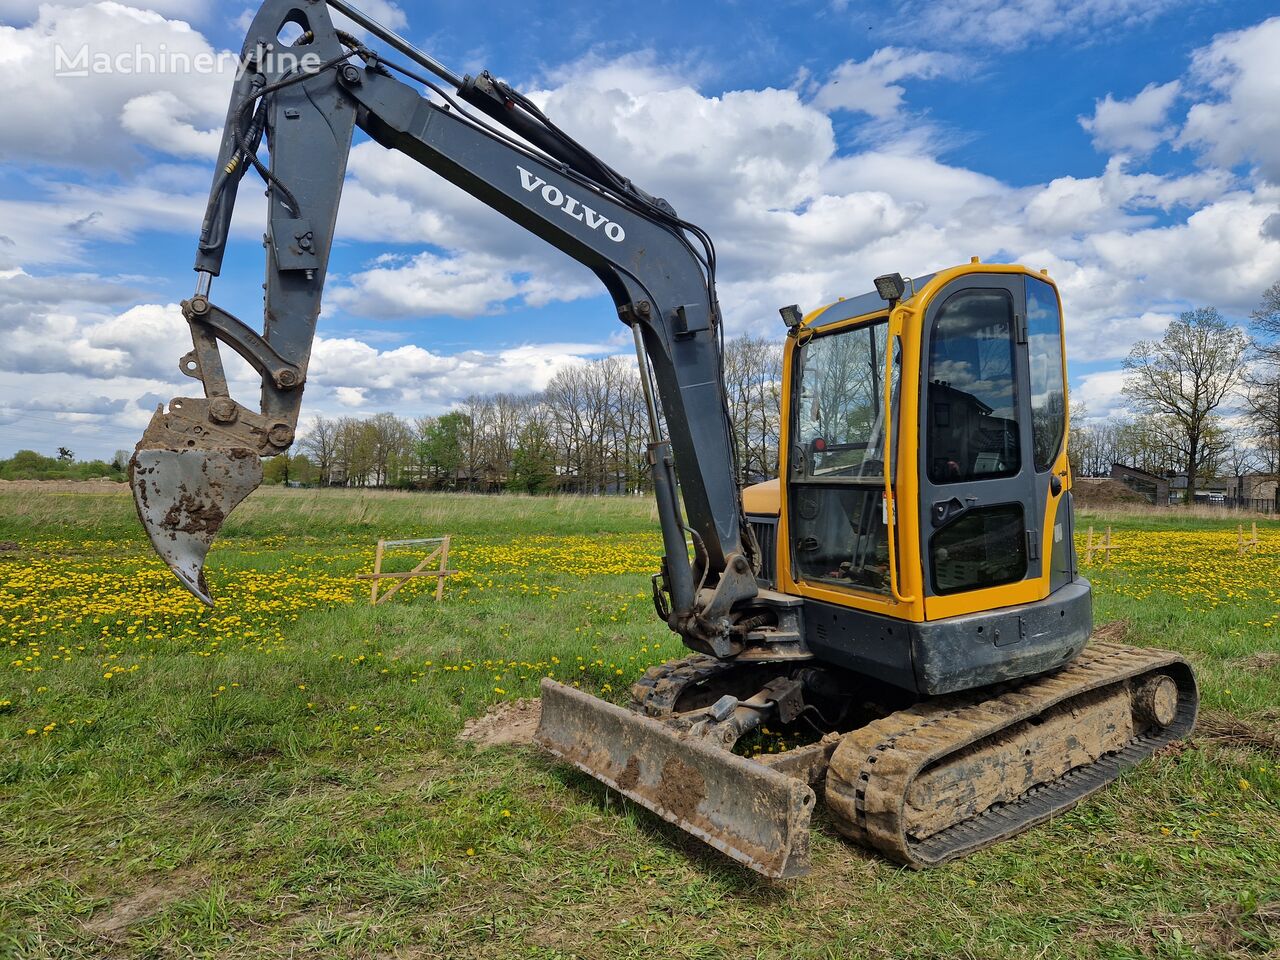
(873, 768)
(655, 694)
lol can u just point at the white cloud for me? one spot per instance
(1241, 123)
(873, 86)
(1100, 395)
(80, 365)
(24, 10)
(160, 119)
(465, 285)
(81, 121)
(412, 379)
(57, 229)
(1134, 126)
(1017, 23)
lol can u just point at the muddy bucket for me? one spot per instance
(757, 816)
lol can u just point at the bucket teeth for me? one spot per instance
(183, 497)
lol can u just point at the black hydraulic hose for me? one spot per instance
(243, 143)
(232, 168)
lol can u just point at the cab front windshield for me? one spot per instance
(838, 458)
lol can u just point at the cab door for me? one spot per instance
(981, 509)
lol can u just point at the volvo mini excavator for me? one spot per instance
(906, 589)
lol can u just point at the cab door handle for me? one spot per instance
(944, 511)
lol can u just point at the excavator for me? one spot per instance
(906, 591)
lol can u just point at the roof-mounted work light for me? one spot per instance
(891, 287)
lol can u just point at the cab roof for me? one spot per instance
(863, 304)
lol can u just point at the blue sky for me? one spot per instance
(1133, 148)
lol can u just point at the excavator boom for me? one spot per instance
(196, 461)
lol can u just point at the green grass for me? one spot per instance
(173, 818)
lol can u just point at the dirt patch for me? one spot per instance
(139, 906)
(1103, 492)
(189, 515)
(504, 724)
(1255, 662)
(1224, 930)
(9, 546)
(1222, 729)
(1113, 631)
(681, 788)
(630, 775)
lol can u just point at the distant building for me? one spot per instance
(1153, 487)
(1259, 486)
(1213, 490)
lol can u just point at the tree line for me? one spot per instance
(30, 465)
(587, 432)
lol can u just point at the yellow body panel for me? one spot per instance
(762, 499)
(906, 323)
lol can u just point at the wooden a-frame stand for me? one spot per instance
(1103, 546)
(439, 554)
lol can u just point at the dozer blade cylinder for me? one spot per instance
(183, 496)
(755, 815)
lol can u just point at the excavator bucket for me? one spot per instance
(183, 496)
(756, 815)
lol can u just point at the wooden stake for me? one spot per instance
(377, 572)
(444, 563)
(1251, 545)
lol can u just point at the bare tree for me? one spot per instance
(578, 398)
(1186, 376)
(753, 386)
(321, 446)
(630, 420)
(389, 441)
(1266, 325)
(476, 411)
(1262, 399)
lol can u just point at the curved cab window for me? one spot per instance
(1048, 393)
(837, 459)
(839, 415)
(972, 397)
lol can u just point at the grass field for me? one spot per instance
(281, 777)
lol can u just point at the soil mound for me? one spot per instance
(1103, 492)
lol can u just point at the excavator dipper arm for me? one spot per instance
(199, 459)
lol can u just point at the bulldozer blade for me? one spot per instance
(757, 816)
(183, 496)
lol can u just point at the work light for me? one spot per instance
(891, 287)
